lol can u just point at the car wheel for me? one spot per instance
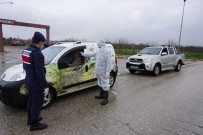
(132, 71)
(178, 66)
(111, 79)
(48, 100)
(157, 70)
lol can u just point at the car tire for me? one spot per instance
(112, 79)
(178, 66)
(157, 70)
(132, 71)
(48, 100)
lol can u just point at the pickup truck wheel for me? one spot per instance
(132, 71)
(157, 70)
(48, 100)
(178, 66)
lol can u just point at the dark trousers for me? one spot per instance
(34, 106)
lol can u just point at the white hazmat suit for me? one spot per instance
(102, 69)
(103, 65)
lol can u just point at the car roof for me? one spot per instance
(76, 44)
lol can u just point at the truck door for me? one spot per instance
(164, 58)
(172, 57)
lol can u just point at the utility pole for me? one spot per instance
(181, 25)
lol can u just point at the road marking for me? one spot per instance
(113, 92)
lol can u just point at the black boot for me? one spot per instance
(101, 94)
(38, 119)
(106, 95)
(38, 126)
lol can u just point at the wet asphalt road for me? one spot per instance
(170, 104)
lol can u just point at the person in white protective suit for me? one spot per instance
(102, 70)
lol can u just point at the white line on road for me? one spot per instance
(113, 92)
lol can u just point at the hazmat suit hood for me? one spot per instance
(101, 43)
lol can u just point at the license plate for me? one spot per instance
(134, 67)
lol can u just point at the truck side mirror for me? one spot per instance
(163, 53)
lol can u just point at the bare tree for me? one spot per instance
(172, 43)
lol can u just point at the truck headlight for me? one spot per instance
(147, 60)
(18, 77)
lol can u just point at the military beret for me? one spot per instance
(39, 36)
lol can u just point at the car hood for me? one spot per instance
(143, 56)
(13, 71)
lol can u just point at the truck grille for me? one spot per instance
(136, 60)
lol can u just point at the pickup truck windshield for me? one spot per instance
(50, 53)
(150, 51)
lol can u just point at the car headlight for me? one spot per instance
(3, 75)
(18, 77)
(147, 60)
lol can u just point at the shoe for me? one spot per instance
(38, 119)
(38, 126)
(104, 102)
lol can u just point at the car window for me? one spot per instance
(76, 59)
(171, 51)
(50, 53)
(165, 50)
(71, 59)
(150, 51)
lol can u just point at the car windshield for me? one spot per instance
(50, 53)
(150, 51)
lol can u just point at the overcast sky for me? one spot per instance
(137, 21)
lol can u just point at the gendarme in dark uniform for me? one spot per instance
(35, 81)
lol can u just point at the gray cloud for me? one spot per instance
(139, 21)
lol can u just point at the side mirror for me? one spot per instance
(163, 53)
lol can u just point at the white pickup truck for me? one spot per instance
(156, 59)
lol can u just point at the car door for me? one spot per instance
(72, 66)
(91, 49)
(164, 58)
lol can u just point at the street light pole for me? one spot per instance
(181, 25)
(6, 2)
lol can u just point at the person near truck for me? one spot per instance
(102, 70)
(35, 81)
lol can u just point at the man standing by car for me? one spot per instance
(35, 81)
(102, 70)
